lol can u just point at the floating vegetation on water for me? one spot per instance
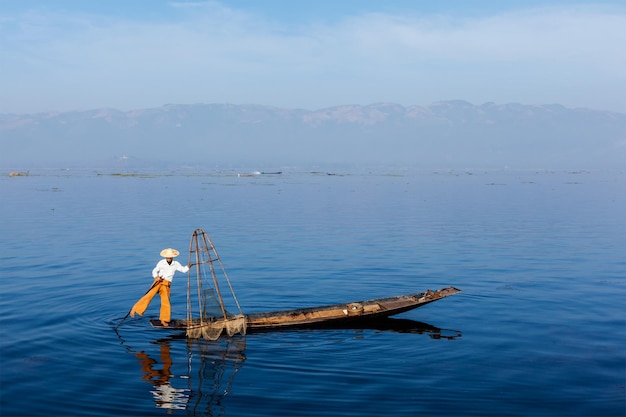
(133, 174)
(19, 174)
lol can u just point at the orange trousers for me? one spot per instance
(163, 289)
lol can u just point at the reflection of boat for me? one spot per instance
(208, 306)
(389, 324)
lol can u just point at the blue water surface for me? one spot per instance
(539, 329)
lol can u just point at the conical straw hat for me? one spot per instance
(169, 253)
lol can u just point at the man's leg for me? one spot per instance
(143, 303)
(166, 311)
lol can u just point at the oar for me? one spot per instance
(156, 281)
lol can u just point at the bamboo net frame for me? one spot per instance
(207, 313)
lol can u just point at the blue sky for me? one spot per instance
(75, 55)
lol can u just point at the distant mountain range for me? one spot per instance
(448, 134)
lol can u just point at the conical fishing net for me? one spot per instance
(208, 313)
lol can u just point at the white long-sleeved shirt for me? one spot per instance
(167, 271)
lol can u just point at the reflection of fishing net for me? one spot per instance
(216, 364)
(207, 307)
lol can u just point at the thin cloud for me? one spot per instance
(208, 52)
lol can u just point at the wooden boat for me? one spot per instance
(345, 313)
(209, 308)
(330, 315)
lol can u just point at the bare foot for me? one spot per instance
(164, 323)
(132, 314)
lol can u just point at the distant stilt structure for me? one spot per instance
(207, 306)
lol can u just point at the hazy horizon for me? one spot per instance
(312, 109)
(450, 134)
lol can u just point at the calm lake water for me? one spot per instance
(539, 329)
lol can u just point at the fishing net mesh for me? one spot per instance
(213, 330)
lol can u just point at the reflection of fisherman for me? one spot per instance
(163, 273)
(165, 395)
(217, 363)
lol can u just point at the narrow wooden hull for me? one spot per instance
(333, 315)
(344, 313)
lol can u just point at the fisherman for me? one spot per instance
(163, 273)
